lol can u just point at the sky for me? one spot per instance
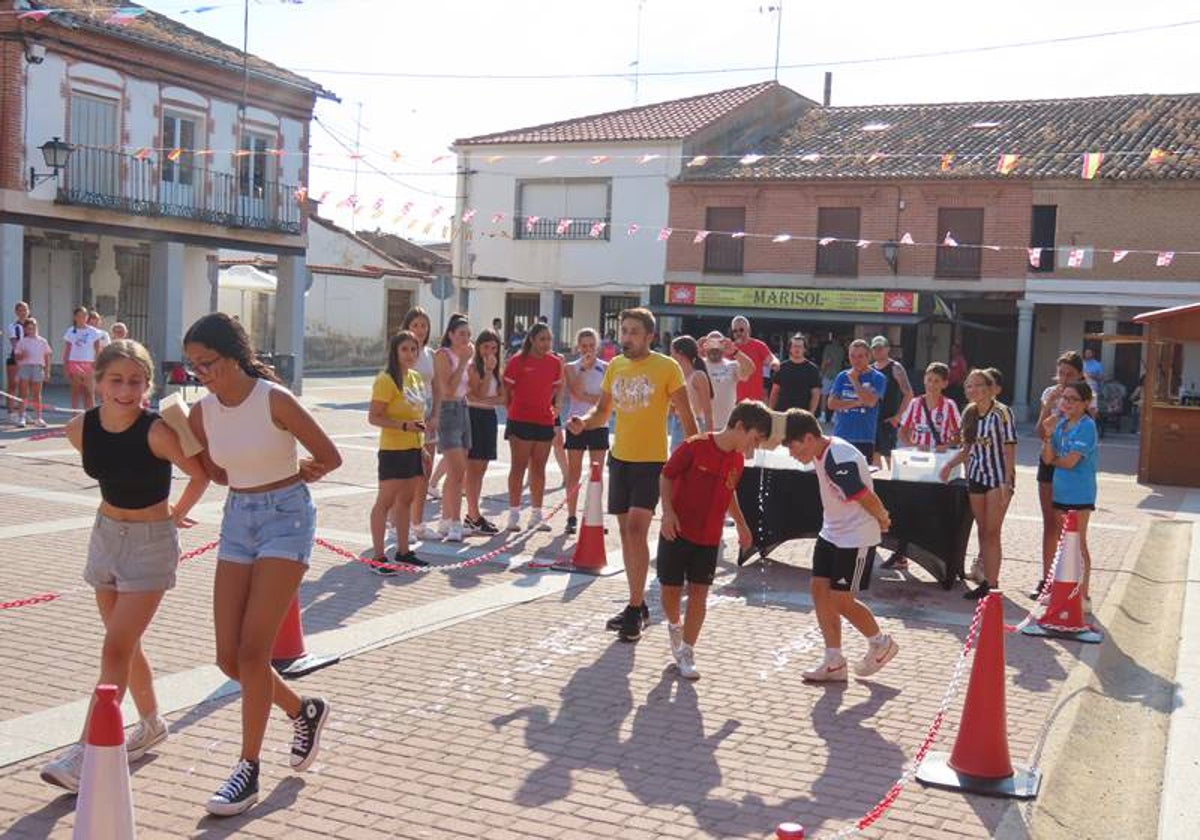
(338, 42)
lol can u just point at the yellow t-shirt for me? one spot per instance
(641, 397)
(407, 405)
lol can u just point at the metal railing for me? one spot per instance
(127, 184)
(560, 228)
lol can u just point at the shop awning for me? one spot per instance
(819, 316)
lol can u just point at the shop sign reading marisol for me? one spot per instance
(827, 300)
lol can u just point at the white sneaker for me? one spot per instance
(876, 657)
(145, 734)
(975, 575)
(514, 521)
(65, 768)
(455, 532)
(675, 636)
(685, 663)
(426, 533)
(40, 423)
(828, 672)
(537, 523)
(21, 421)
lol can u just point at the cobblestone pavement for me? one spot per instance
(510, 715)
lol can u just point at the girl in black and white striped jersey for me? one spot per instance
(990, 452)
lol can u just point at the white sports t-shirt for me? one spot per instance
(844, 478)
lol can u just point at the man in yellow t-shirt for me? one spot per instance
(641, 386)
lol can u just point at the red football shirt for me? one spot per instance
(531, 381)
(752, 388)
(703, 480)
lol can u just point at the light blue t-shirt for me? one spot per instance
(1076, 486)
(857, 425)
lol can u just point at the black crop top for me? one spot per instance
(130, 475)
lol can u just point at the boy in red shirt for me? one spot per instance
(698, 486)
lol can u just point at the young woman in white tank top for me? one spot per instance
(416, 321)
(583, 379)
(249, 426)
(450, 365)
(485, 391)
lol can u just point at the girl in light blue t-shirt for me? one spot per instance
(1070, 446)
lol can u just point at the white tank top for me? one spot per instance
(424, 367)
(592, 378)
(460, 393)
(244, 441)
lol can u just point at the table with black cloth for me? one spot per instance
(931, 522)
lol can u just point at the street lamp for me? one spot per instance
(55, 152)
(891, 252)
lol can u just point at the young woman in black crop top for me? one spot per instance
(134, 547)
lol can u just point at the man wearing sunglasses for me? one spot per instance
(765, 362)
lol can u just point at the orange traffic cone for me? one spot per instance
(980, 762)
(104, 810)
(589, 555)
(288, 657)
(1063, 618)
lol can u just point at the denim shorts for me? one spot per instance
(132, 556)
(275, 523)
(454, 426)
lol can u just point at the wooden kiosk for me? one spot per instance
(1170, 422)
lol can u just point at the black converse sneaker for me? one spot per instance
(632, 624)
(239, 792)
(614, 623)
(306, 734)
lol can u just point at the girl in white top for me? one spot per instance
(81, 345)
(686, 352)
(583, 379)
(450, 365)
(417, 322)
(96, 322)
(250, 427)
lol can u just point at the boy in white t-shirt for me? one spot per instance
(854, 519)
(33, 354)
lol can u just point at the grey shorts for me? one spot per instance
(454, 426)
(132, 556)
(31, 373)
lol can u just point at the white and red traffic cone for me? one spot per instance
(1063, 617)
(289, 657)
(104, 810)
(590, 555)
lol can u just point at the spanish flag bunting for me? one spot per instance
(241, 153)
(174, 154)
(1119, 255)
(1006, 164)
(1091, 165)
(1156, 157)
(34, 16)
(741, 234)
(142, 154)
(947, 161)
(408, 206)
(1164, 259)
(700, 236)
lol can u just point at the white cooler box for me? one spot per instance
(915, 465)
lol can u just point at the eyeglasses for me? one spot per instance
(204, 368)
(1071, 399)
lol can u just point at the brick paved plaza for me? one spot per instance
(490, 702)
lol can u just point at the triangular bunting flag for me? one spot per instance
(906, 239)
(1091, 165)
(664, 234)
(1164, 258)
(1119, 255)
(1075, 258)
(950, 241)
(632, 229)
(700, 236)
(1035, 257)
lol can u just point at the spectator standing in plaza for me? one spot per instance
(1070, 445)
(119, 331)
(416, 321)
(134, 548)
(797, 383)
(893, 402)
(989, 448)
(532, 379)
(251, 428)
(728, 368)
(642, 386)
(686, 353)
(698, 487)
(34, 355)
(853, 523)
(450, 365)
(854, 400)
(81, 344)
(96, 322)
(833, 361)
(15, 332)
(398, 409)
(932, 421)
(764, 361)
(1093, 368)
(485, 391)
(584, 377)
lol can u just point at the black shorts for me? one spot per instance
(400, 463)
(528, 431)
(484, 425)
(1067, 506)
(978, 488)
(632, 485)
(589, 439)
(1045, 473)
(848, 569)
(11, 361)
(867, 449)
(885, 438)
(679, 559)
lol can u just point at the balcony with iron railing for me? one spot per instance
(553, 228)
(180, 189)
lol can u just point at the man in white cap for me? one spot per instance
(765, 362)
(728, 367)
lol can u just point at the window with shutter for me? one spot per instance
(964, 225)
(838, 258)
(1041, 235)
(722, 251)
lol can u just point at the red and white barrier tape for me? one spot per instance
(875, 814)
(58, 409)
(1038, 610)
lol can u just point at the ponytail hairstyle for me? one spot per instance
(394, 369)
(534, 331)
(970, 418)
(487, 337)
(227, 337)
(687, 347)
(413, 314)
(456, 320)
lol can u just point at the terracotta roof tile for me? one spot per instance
(164, 33)
(1049, 135)
(673, 120)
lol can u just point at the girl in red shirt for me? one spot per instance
(532, 380)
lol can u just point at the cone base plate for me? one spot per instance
(595, 571)
(291, 669)
(935, 771)
(1089, 636)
